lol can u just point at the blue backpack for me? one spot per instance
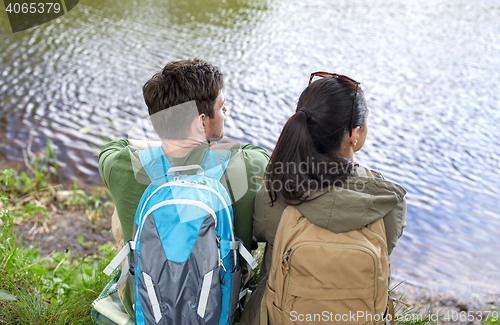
(184, 265)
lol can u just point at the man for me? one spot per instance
(186, 105)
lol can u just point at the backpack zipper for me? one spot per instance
(288, 255)
(179, 201)
(285, 235)
(379, 238)
(200, 185)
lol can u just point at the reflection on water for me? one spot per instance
(431, 73)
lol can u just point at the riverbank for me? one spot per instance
(66, 230)
(42, 287)
(54, 244)
(52, 216)
(464, 308)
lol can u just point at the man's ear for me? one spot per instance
(202, 121)
(198, 125)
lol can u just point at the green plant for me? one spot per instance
(100, 200)
(42, 167)
(94, 204)
(8, 180)
(4, 295)
(407, 315)
(32, 209)
(27, 182)
(31, 191)
(493, 318)
(78, 198)
(258, 254)
(55, 289)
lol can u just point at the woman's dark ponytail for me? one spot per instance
(306, 155)
(296, 138)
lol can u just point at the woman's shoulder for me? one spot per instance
(376, 181)
(263, 195)
(362, 171)
(264, 205)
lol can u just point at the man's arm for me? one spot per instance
(255, 159)
(110, 150)
(107, 157)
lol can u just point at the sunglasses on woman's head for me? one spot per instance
(322, 74)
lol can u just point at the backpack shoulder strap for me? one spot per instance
(155, 164)
(215, 162)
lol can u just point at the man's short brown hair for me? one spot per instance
(183, 81)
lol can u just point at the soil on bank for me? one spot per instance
(66, 230)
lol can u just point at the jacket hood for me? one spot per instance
(362, 199)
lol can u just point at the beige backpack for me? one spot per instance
(319, 277)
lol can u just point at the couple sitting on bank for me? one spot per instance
(311, 168)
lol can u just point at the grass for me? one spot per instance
(405, 315)
(258, 254)
(31, 193)
(93, 203)
(494, 317)
(53, 289)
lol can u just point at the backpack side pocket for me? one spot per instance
(235, 291)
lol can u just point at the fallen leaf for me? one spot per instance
(4, 295)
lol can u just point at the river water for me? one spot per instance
(430, 71)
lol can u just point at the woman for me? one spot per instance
(312, 168)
